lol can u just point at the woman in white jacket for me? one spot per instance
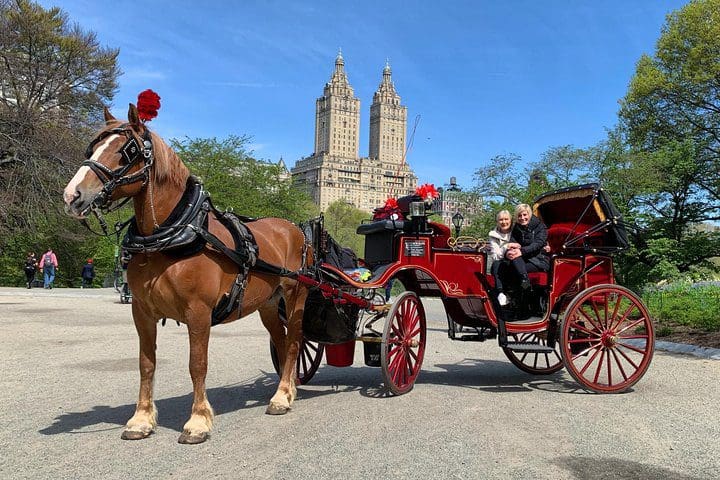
(498, 241)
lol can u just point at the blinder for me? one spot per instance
(130, 153)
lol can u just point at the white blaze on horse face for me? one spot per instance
(75, 187)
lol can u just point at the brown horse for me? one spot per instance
(127, 160)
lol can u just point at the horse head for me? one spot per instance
(117, 165)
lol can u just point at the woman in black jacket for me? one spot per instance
(526, 251)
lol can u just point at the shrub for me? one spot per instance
(696, 305)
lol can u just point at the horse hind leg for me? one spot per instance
(197, 428)
(144, 421)
(285, 395)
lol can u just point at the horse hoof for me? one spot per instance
(273, 409)
(188, 438)
(134, 434)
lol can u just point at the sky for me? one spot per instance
(479, 78)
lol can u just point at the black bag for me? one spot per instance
(339, 257)
(327, 322)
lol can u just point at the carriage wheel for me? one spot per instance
(309, 357)
(403, 343)
(535, 363)
(607, 339)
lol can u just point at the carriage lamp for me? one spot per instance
(457, 221)
(417, 209)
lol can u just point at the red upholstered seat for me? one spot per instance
(538, 278)
(558, 234)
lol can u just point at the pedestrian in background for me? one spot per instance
(48, 265)
(30, 268)
(88, 273)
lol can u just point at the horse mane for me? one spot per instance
(168, 167)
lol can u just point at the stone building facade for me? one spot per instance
(335, 170)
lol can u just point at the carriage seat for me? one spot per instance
(558, 233)
(380, 226)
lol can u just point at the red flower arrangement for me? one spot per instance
(427, 192)
(148, 105)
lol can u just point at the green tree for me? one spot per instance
(671, 119)
(237, 180)
(341, 222)
(54, 81)
(674, 98)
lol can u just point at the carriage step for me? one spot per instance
(528, 347)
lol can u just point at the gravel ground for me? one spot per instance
(70, 381)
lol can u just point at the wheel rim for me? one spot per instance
(607, 339)
(535, 363)
(403, 343)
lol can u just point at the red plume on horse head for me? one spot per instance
(148, 105)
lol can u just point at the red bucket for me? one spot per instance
(341, 354)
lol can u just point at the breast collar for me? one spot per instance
(178, 234)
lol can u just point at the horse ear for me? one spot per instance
(133, 117)
(108, 116)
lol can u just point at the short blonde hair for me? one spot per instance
(503, 212)
(523, 207)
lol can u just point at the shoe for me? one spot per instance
(502, 299)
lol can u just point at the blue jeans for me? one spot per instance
(49, 276)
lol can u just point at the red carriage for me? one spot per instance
(599, 331)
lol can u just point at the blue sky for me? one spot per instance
(485, 77)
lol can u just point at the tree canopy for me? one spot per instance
(54, 80)
(237, 180)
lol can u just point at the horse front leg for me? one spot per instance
(285, 395)
(197, 429)
(143, 423)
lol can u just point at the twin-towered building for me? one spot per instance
(336, 171)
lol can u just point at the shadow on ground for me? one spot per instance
(586, 468)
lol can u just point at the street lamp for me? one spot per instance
(457, 221)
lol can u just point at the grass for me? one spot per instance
(694, 305)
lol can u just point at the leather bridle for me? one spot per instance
(131, 154)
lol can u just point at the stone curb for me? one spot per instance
(683, 348)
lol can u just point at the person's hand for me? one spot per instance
(513, 245)
(546, 248)
(513, 253)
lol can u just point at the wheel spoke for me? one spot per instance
(577, 326)
(626, 357)
(597, 313)
(595, 325)
(624, 317)
(619, 363)
(593, 345)
(600, 363)
(632, 347)
(609, 369)
(590, 360)
(641, 320)
(615, 310)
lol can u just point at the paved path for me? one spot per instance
(69, 383)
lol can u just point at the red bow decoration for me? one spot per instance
(427, 192)
(390, 207)
(391, 204)
(148, 105)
